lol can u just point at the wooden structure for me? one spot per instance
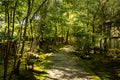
(115, 41)
(114, 32)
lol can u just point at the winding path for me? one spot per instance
(64, 66)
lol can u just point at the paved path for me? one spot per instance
(63, 66)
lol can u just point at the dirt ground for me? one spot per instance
(64, 66)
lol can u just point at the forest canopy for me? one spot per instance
(35, 25)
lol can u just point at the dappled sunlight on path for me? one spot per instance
(63, 66)
(67, 48)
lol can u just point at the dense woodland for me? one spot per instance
(32, 28)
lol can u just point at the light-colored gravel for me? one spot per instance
(64, 66)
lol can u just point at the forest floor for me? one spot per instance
(64, 66)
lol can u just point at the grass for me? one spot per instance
(40, 69)
(105, 67)
(101, 67)
(95, 77)
(39, 72)
(85, 64)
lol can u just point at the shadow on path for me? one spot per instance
(64, 66)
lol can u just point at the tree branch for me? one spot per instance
(38, 10)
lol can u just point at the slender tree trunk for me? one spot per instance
(6, 60)
(14, 11)
(56, 30)
(24, 34)
(110, 34)
(31, 20)
(67, 36)
(93, 38)
(93, 27)
(8, 43)
(15, 56)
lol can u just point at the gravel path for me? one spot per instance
(63, 66)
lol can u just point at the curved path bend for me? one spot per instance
(64, 66)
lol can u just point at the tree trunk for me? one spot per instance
(93, 31)
(105, 45)
(8, 43)
(56, 30)
(24, 34)
(67, 36)
(14, 17)
(93, 27)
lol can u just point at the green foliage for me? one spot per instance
(83, 39)
(86, 20)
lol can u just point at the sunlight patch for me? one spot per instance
(55, 73)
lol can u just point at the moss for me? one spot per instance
(40, 69)
(85, 66)
(102, 66)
